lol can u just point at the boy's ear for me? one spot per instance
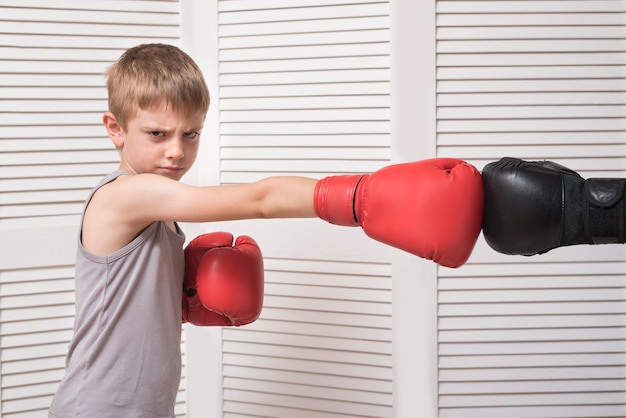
(114, 129)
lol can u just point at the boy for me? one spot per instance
(124, 358)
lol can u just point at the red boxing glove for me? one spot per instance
(223, 284)
(431, 208)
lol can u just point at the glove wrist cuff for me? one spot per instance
(334, 199)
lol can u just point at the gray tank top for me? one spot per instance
(124, 359)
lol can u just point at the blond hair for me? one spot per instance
(147, 75)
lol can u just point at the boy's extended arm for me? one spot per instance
(152, 198)
(430, 208)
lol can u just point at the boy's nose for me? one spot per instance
(175, 149)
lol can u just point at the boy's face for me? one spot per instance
(159, 141)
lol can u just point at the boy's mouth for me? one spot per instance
(171, 170)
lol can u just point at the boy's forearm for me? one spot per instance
(288, 197)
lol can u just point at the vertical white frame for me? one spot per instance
(199, 38)
(413, 125)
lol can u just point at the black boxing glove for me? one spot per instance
(533, 207)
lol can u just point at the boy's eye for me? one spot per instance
(156, 134)
(191, 135)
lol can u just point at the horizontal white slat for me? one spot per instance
(531, 112)
(581, 260)
(48, 171)
(347, 23)
(62, 41)
(530, 59)
(538, 282)
(365, 140)
(512, 6)
(162, 6)
(302, 52)
(528, 348)
(537, 98)
(312, 64)
(304, 115)
(316, 128)
(52, 105)
(36, 325)
(528, 373)
(552, 45)
(532, 399)
(36, 339)
(330, 273)
(274, 401)
(253, 153)
(34, 210)
(226, 6)
(33, 287)
(146, 16)
(533, 125)
(574, 411)
(537, 32)
(309, 391)
(581, 360)
(526, 138)
(530, 19)
(51, 118)
(306, 90)
(547, 308)
(322, 304)
(31, 158)
(55, 93)
(300, 378)
(53, 67)
(43, 388)
(538, 73)
(359, 319)
(486, 296)
(320, 102)
(566, 334)
(531, 322)
(36, 313)
(18, 80)
(64, 183)
(43, 197)
(304, 353)
(361, 9)
(76, 55)
(588, 385)
(37, 299)
(310, 366)
(93, 29)
(56, 347)
(323, 329)
(33, 406)
(302, 168)
(285, 78)
(525, 86)
(301, 39)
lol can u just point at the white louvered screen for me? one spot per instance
(53, 150)
(304, 90)
(543, 336)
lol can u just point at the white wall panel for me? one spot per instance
(305, 90)
(53, 150)
(540, 336)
